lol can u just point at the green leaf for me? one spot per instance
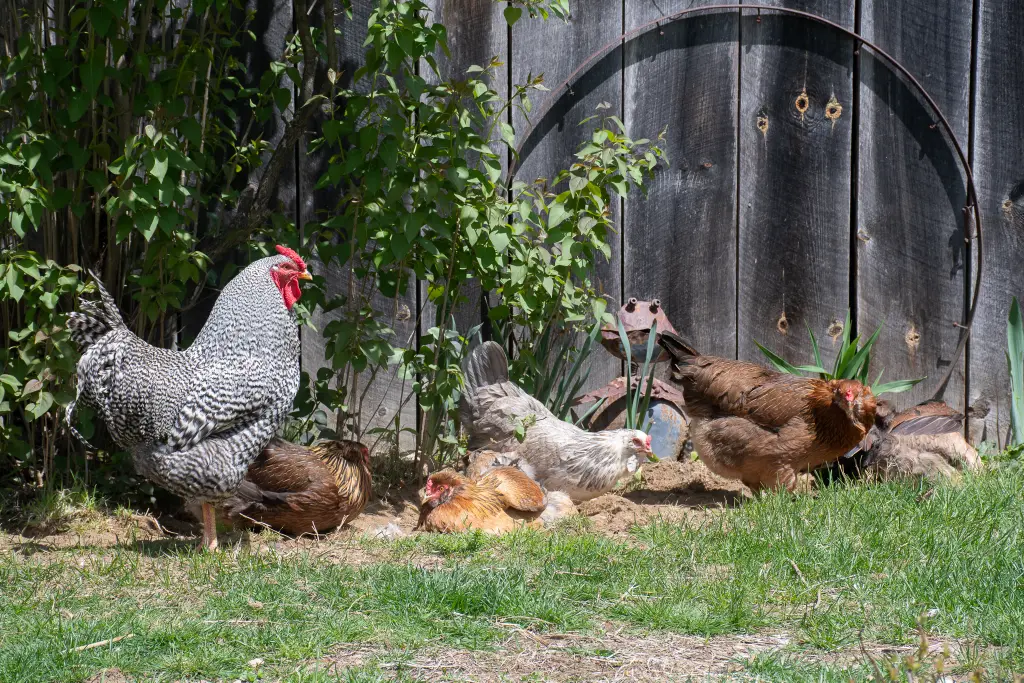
(780, 364)
(78, 105)
(147, 223)
(14, 284)
(191, 130)
(817, 351)
(1015, 359)
(157, 164)
(862, 358)
(91, 72)
(500, 241)
(895, 387)
(38, 409)
(556, 214)
(512, 14)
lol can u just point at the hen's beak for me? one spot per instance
(304, 275)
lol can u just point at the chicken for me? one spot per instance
(194, 420)
(923, 441)
(483, 461)
(303, 490)
(557, 454)
(502, 500)
(763, 427)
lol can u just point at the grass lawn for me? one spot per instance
(823, 580)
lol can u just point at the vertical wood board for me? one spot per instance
(910, 246)
(555, 49)
(680, 240)
(999, 173)
(794, 181)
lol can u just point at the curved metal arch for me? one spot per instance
(971, 213)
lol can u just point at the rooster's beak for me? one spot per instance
(304, 275)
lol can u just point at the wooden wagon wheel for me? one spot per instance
(972, 217)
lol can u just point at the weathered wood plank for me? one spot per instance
(477, 32)
(794, 180)
(386, 395)
(555, 49)
(910, 247)
(998, 150)
(680, 242)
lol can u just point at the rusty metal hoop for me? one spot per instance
(970, 210)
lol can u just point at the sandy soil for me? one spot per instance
(671, 491)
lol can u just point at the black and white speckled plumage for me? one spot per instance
(195, 419)
(559, 455)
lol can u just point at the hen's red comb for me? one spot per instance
(290, 253)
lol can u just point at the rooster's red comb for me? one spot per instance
(290, 253)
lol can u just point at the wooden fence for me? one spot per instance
(806, 178)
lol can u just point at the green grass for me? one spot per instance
(855, 562)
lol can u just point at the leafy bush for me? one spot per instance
(853, 361)
(129, 133)
(125, 153)
(424, 199)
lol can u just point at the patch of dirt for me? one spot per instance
(109, 676)
(672, 491)
(612, 655)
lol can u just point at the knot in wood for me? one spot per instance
(913, 338)
(762, 124)
(783, 324)
(835, 328)
(802, 102)
(833, 110)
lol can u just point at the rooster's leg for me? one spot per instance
(209, 527)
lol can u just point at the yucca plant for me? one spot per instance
(638, 401)
(554, 372)
(1015, 360)
(852, 362)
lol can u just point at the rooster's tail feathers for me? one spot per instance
(94, 319)
(487, 364)
(680, 350)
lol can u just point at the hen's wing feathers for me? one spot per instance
(934, 417)
(718, 387)
(736, 388)
(242, 394)
(515, 489)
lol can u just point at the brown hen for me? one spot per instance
(502, 500)
(762, 427)
(923, 441)
(299, 489)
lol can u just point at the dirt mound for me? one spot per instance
(671, 491)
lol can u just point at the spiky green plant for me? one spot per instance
(852, 362)
(638, 400)
(1015, 360)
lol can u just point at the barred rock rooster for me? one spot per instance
(502, 500)
(762, 427)
(302, 490)
(194, 420)
(557, 454)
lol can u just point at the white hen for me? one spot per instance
(558, 455)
